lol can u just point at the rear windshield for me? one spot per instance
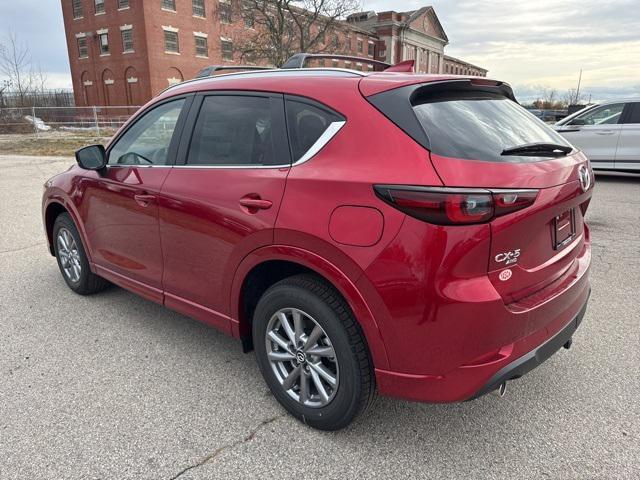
(479, 126)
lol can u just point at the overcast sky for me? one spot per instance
(531, 44)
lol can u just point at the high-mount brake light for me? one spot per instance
(454, 206)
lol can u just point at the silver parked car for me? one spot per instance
(609, 133)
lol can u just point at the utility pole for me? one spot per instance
(578, 89)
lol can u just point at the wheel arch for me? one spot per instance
(53, 208)
(268, 265)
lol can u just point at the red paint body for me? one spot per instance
(438, 321)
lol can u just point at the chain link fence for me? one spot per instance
(67, 121)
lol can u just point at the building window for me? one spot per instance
(371, 49)
(321, 37)
(227, 50)
(198, 8)
(77, 9)
(127, 40)
(225, 12)
(360, 46)
(104, 43)
(348, 43)
(122, 4)
(171, 43)
(99, 7)
(202, 46)
(247, 15)
(169, 5)
(83, 47)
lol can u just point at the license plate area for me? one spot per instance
(564, 229)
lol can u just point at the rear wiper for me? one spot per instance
(539, 150)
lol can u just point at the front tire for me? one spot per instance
(72, 259)
(312, 352)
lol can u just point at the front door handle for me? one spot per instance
(144, 199)
(254, 204)
(605, 132)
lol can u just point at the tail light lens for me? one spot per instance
(454, 206)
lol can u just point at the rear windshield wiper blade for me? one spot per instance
(539, 150)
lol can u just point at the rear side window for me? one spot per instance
(234, 130)
(634, 113)
(307, 123)
(477, 125)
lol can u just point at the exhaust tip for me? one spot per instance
(501, 390)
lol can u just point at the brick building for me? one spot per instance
(122, 52)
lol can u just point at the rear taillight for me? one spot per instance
(454, 206)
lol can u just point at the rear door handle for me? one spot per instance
(144, 199)
(255, 204)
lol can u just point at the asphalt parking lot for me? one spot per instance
(116, 387)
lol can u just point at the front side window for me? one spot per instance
(202, 48)
(169, 5)
(233, 130)
(198, 8)
(171, 42)
(147, 141)
(83, 49)
(127, 40)
(306, 124)
(104, 44)
(478, 125)
(604, 115)
(99, 6)
(227, 50)
(77, 9)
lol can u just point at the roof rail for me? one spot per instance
(210, 70)
(299, 59)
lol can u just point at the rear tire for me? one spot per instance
(72, 259)
(323, 348)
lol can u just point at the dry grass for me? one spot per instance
(47, 144)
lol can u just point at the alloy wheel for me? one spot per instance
(302, 357)
(69, 255)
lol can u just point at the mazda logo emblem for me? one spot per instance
(300, 356)
(585, 177)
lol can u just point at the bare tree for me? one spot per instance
(285, 27)
(572, 97)
(16, 66)
(548, 100)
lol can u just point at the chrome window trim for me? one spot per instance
(327, 135)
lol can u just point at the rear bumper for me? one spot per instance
(470, 382)
(515, 339)
(535, 357)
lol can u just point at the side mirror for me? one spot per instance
(93, 157)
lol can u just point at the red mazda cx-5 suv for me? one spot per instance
(422, 235)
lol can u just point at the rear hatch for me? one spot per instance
(478, 137)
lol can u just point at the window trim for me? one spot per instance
(327, 135)
(175, 139)
(279, 129)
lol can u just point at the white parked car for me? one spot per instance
(609, 133)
